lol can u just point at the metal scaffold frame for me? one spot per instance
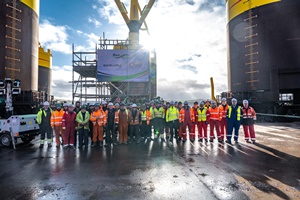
(87, 88)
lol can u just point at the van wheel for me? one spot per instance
(5, 139)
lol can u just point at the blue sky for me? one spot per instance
(188, 35)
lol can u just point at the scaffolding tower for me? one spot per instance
(87, 88)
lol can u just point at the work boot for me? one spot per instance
(184, 140)
(248, 141)
(101, 143)
(41, 146)
(200, 140)
(211, 140)
(49, 145)
(228, 141)
(253, 141)
(206, 140)
(220, 141)
(192, 140)
(94, 144)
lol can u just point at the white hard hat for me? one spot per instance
(71, 106)
(46, 103)
(65, 105)
(234, 100)
(110, 104)
(133, 105)
(104, 103)
(245, 101)
(224, 99)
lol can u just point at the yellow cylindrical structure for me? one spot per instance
(45, 71)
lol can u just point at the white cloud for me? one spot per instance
(61, 88)
(95, 22)
(54, 37)
(79, 32)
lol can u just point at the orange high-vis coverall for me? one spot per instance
(98, 118)
(56, 124)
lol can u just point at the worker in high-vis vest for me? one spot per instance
(43, 119)
(186, 120)
(203, 115)
(135, 120)
(172, 118)
(179, 129)
(56, 122)
(215, 116)
(223, 124)
(234, 118)
(98, 118)
(158, 114)
(83, 118)
(249, 116)
(145, 127)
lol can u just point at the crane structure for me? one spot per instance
(135, 20)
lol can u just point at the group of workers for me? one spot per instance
(121, 124)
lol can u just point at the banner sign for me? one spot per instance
(123, 65)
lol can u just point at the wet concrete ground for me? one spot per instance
(158, 170)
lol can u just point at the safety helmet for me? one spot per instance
(213, 102)
(134, 105)
(234, 100)
(172, 102)
(58, 105)
(46, 103)
(97, 104)
(117, 104)
(196, 102)
(104, 103)
(122, 104)
(110, 104)
(185, 103)
(202, 103)
(224, 99)
(65, 105)
(71, 106)
(179, 103)
(245, 101)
